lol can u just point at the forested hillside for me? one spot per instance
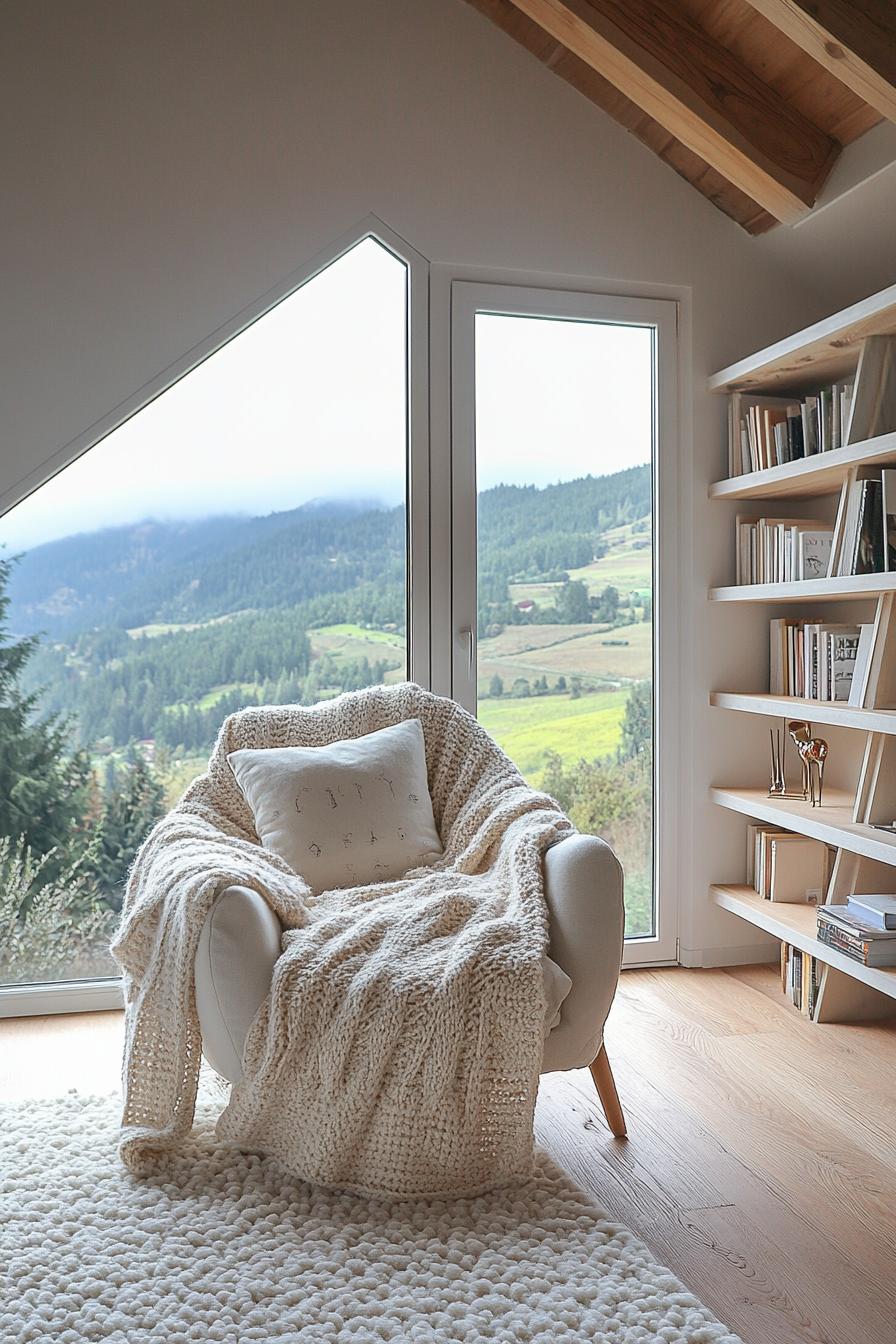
(155, 631)
(122, 650)
(126, 577)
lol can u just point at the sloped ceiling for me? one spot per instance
(751, 101)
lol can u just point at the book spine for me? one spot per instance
(856, 948)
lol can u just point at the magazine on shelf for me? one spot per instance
(862, 942)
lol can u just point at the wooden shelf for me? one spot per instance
(823, 353)
(848, 588)
(858, 344)
(832, 822)
(796, 924)
(837, 713)
(821, 474)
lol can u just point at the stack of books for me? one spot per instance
(781, 550)
(863, 929)
(768, 431)
(800, 978)
(782, 866)
(869, 525)
(815, 661)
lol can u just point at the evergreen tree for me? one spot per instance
(43, 784)
(496, 687)
(130, 809)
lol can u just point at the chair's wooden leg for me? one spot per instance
(606, 1090)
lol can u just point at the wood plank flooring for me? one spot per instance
(760, 1164)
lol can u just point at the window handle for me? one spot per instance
(467, 633)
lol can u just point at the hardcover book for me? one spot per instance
(879, 911)
(797, 873)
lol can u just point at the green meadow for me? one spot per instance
(528, 728)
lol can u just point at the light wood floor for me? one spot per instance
(761, 1163)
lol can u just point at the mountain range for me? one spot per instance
(154, 630)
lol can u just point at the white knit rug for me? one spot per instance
(220, 1246)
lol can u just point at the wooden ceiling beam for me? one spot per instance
(854, 39)
(700, 93)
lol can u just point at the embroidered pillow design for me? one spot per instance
(348, 814)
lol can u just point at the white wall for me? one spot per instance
(846, 250)
(168, 162)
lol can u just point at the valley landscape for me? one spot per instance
(141, 639)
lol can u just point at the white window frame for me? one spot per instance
(467, 298)
(100, 994)
(441, 503)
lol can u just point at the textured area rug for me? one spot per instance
(224, 1246)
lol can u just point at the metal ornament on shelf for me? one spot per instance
(778, 786)
(813, 754)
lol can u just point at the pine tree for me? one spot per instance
(43, 783)
(130, 809)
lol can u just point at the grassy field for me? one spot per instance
(627, 566)
(629, 571)
(350, 643)
(173, 627)
(588, 727)
(585, 652)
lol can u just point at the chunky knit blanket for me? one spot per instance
(398, 1051)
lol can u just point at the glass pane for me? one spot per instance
(239, 541)
(564, 434)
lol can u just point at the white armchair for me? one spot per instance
(583, 885)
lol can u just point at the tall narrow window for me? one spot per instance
(556, 422)
(564, 415)
(240, 540)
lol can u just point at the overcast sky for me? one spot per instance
(310, 402)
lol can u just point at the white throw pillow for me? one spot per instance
(347, 814)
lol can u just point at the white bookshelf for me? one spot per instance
(823, 353)
(795, 924)
(859, 342)
(833, 823)
(835, 713)
(810, 477)
(849, 588)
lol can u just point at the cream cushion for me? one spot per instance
(348, 814)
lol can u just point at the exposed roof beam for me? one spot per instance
(854, 39)
(861, 162)
(700, 93)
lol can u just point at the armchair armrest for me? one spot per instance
(238, 948)
(583, 887)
